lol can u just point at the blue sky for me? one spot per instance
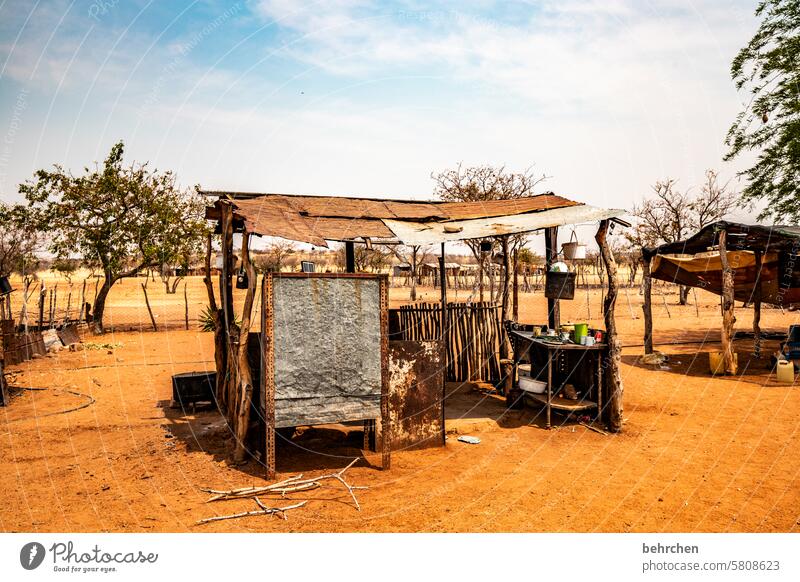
(368, 98)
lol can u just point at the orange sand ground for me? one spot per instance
(697, 453)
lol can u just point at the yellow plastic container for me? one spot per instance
(716, 362)
(785, 371)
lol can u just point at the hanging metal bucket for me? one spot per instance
(573, 250)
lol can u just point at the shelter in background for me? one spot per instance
(432, 269)
(751, 263)
(417, 421)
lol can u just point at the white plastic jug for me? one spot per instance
(785, 371)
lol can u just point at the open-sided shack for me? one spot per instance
(751, 263)
(317, 220)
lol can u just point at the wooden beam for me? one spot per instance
(551, 256)
(728, 317)
(647, 306)
(757, 308)
(612, 377)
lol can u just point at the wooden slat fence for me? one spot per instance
(473, 336)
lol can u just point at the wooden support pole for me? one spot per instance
(515, 313)
(757, 308)
(219, 334)
(219, 337)
(149, 310)
(42, 294)
(612, 377)
(244, 375)
(226, 287)
(350, 257)
(186, 306)
(505, 300)
(551, 256)
(647, 306)
(728, 317)
(443, 295)
(443, 323)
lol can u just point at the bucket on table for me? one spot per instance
(784, 371)
(716, 362)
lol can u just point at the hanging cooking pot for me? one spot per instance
(5, 286)
(242, 281)
(573, 250)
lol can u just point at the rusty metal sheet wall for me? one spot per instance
(415, 394)
(327, 349)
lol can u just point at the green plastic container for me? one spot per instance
(581, 331)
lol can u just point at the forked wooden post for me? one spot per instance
(613, 380)
(728, 317)
(647, 305)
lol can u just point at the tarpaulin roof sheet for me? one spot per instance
(695, 262)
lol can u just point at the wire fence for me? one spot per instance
(127, 303)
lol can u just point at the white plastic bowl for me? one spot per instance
(530, 385)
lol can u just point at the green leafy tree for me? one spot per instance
(769, 68)
(18, 241)
(126, 218)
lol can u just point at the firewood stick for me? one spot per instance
(593, 428)
(263, 510)
(277, 488)
(250, 489)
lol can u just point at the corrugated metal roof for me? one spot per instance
(315, 219)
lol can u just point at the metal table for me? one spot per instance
(525, 340)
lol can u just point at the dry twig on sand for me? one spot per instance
(290, 485)
(263, 510)
(593, 428)
(287, 486)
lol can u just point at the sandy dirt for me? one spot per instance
(99, 449)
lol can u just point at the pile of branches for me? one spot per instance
(283, 488)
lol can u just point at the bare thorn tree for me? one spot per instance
(670, 215)
(483, 183)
